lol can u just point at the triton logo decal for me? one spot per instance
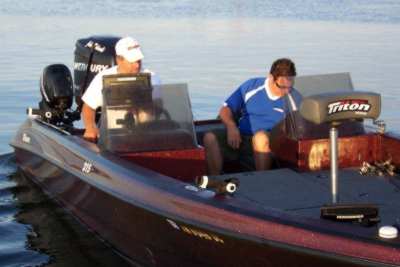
(357, 105)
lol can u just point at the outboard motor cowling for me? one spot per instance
(92, 55)
(57, 97)
(56, 87)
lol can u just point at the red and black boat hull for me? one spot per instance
(159, 221)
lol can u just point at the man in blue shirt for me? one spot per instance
(249, 114)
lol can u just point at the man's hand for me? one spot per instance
(91, 134)
(233, 133)
(234, 138)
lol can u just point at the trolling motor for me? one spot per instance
(335, 108)
(57, 96)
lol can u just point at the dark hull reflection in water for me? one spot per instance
(36, 231)
(14, 248)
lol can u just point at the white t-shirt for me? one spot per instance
(93, 95)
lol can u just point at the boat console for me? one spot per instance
(138, 117)
(150, 125)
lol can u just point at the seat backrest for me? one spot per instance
(295, 127)
(323, 83)
(341, 106)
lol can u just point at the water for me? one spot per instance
(13, 245)
(211, 45)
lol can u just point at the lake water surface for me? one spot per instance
(211, 45)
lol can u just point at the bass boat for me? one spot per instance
(332, 198)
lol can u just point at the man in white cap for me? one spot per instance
(129, 60)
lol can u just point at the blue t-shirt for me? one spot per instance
(256, 108)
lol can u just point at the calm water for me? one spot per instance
(211, 45)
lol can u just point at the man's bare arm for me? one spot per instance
(233, 134)
(88, 116)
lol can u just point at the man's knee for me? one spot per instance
(210, 139)
(260, 142)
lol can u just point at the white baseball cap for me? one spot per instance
(129, 48)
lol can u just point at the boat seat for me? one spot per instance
(339, 107)
(296, 127)
(303, 144)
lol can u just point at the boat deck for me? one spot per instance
(304, 193)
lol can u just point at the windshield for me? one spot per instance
(137, 118)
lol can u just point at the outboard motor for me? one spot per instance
(92, 55)
(57, 96)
